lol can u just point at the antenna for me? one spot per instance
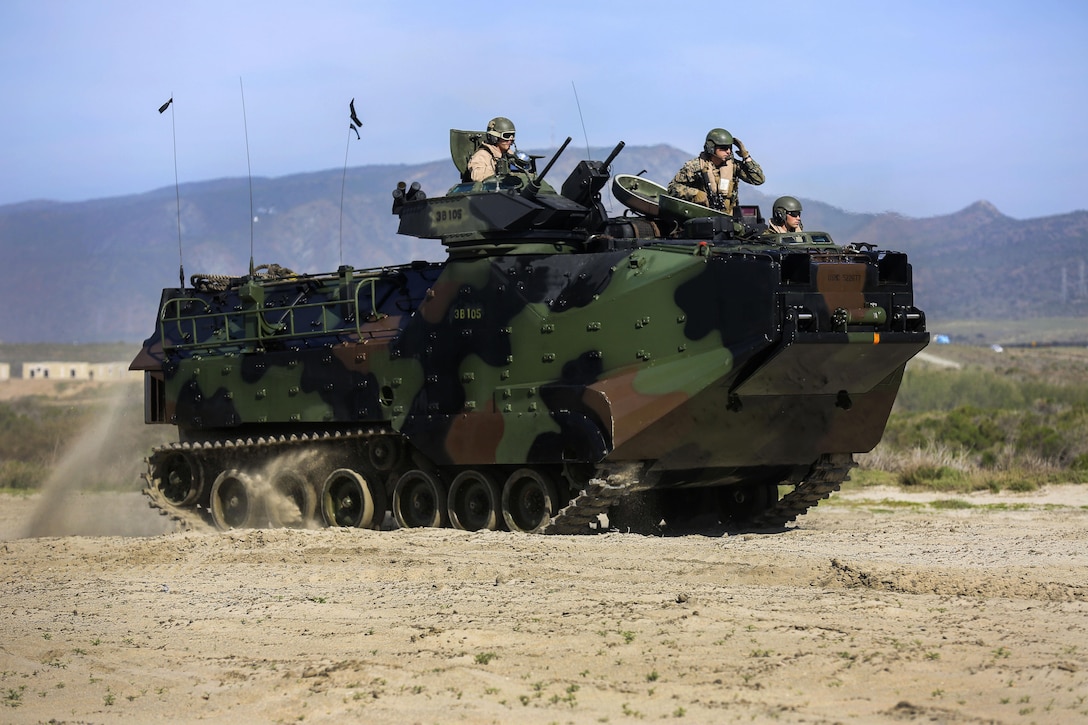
(583, 120)
(580, 118)
(177, 191)
(249, 168)
(343, 183)
(354, 125)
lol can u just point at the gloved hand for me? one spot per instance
(740, 147)
(700, 198)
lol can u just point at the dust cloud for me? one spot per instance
(107, 456)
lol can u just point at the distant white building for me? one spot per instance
(57, 370)
(114, 371)
(5, 371)
(51, 370)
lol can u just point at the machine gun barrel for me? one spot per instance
(553, 160)
(612, 156)
(534, 184)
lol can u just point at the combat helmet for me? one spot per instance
(500, 128)
(782, 205)
(717, 137)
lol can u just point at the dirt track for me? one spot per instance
(867, 611)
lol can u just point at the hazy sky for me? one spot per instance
(920, 107)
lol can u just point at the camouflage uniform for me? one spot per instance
(688, 182)
(481, 165)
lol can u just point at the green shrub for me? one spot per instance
(947, 389)
(1035, 438)
(970, 428)
(925, 389)
(21, 475)
(95, 442)
(935, 477)
(1023, 485)
(951, 503)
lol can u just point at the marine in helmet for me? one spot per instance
(785, 216)
(711, 178)
(498, 141)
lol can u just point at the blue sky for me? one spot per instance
(916, 107)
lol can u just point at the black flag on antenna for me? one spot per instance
(355, 124)
(163, 107)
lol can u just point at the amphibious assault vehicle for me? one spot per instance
(562, 370)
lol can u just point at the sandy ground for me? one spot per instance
(877, 607)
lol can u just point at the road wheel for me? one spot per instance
(383, 452)
(475, 502)
(419, 499)
(234, 501)
(179, 475)
(293, 501)
(529, 500)
(346, 500)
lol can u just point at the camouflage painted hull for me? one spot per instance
(557, 366)
(705, 366)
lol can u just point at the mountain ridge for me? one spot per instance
(91, 271)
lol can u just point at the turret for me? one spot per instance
(515, 206)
